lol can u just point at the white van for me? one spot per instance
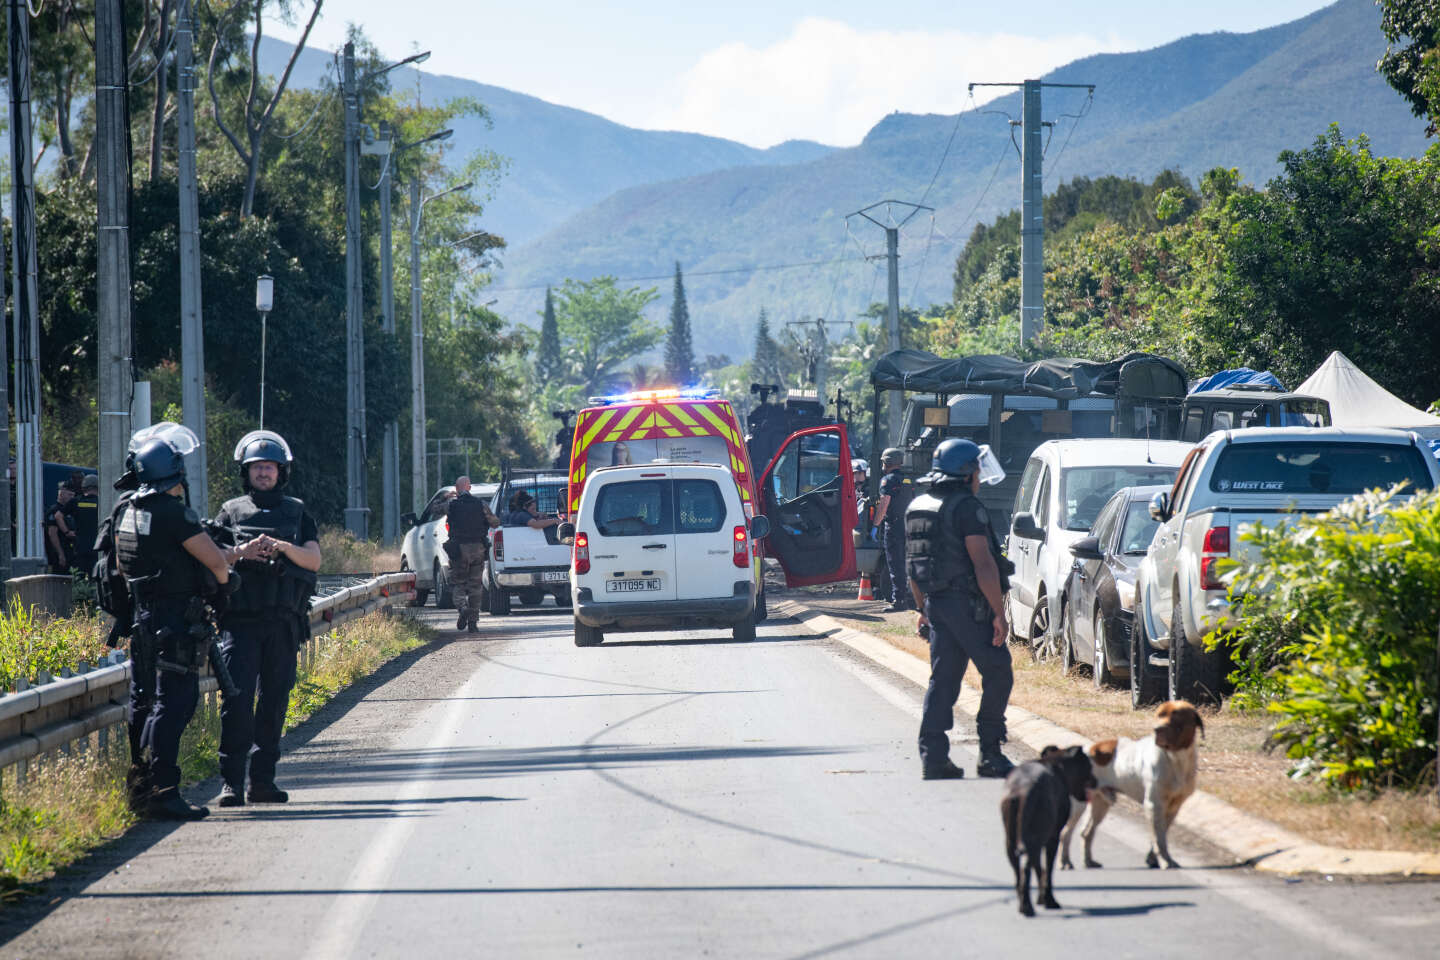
(663, 547)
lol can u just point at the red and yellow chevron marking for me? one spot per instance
(637, 421)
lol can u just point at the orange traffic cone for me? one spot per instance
(867, 592)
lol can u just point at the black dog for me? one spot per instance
(1035, 809)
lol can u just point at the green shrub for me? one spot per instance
(30, 644)
(1335, 633)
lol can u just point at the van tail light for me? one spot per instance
(497, 545)
(582, 553)
(1215, 546)
(742, 547)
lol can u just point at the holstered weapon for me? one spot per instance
(205, 636)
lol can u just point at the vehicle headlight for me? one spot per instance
(1127, 595)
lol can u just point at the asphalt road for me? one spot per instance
(661, 795)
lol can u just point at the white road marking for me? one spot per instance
(345, 922)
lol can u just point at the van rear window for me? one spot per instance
(647, 508)
(1322, 468)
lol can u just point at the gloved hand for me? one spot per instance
(220, 600)
(874, 534)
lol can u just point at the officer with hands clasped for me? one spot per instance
(277, 551)
(895, 493)
(958, 578)
(164, 555)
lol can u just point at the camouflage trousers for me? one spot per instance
(467, 572)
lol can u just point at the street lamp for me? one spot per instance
(264, 302)
(357, 512)
(418, 485)
(387, 146)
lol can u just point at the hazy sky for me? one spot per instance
(762, 72)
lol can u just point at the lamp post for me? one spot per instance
(418, 486)
(356, 510)
(387, 146)
(264, 302)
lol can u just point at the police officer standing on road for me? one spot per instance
(895, 493)
(958, 577)
(164, 552)
(469, 522)
(277, 552)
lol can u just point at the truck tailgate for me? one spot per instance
(527, 547)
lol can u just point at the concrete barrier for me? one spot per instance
(48, 591)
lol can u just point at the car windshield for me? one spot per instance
(1084, 490)
(1324, 468)
(1139, 528)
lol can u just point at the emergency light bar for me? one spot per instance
(650, 396)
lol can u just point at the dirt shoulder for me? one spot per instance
(1234, 765)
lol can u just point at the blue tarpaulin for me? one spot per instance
(1230, 378)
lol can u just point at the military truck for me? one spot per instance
(1243, 405)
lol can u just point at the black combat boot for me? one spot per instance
(266, 793)
(169, 805)
(993, 763)
(944, 771)
(230, 796)
(461, 616)
(137, 788)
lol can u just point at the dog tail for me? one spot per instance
(1010, 814)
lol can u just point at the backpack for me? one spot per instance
(112, 593)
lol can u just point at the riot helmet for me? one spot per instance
(959, 459)
(260, 445)
(156, 457)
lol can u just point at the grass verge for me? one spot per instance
(69, 804)
(1234, 765)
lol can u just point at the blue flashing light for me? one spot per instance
(653, 396)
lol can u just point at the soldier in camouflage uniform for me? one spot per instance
(470, 521)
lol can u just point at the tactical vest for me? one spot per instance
(271, 586)
(935, 555)
(467, 520)
(156, 570)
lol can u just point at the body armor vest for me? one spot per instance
(935, 554)
(154, 569)
(272, 586)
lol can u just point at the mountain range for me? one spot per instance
(584, 196)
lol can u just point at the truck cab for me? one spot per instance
(1240, 406)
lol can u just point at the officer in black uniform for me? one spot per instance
(277, 552)
(895, 493)
(959, 577)
(163, 551)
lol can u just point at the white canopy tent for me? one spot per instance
(1358, 401)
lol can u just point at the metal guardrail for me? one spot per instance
(54, 714)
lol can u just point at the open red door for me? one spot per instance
(809, 497)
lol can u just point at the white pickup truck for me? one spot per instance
(1231, 481)
(525, 563)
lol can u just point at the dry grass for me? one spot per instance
(343, 656)
(341, 552)
(1233, 763)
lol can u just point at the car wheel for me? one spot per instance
(1042, 638)
(562, 598)
(588, 636)
(1147, 686)
(1194, 672)
(421, 594)
(1101, 672)
(500, 602)
(444, 591)
(1067, 640)
(761, 607)
(532, 598)
(744, 631)
(484, 594)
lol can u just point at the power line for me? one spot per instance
(1084, 109)
(696, 273)
(948, 144)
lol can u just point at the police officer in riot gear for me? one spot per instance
(958, 578)
(895, 493)
(164, 554)
(277, 552)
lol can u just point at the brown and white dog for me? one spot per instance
(1157, 772)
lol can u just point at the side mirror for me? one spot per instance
(759, 527)
(1160, 507)
(408, 519)
(1024, 527)
(566, 531)
(1087, 548)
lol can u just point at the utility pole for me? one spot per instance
(1032, 202)
(192, 324)
(357, 512)
(892, 256)
(112, 267)
(816, 349)
(383, 147)
(18, 34)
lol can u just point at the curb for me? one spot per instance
(1249, 839)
